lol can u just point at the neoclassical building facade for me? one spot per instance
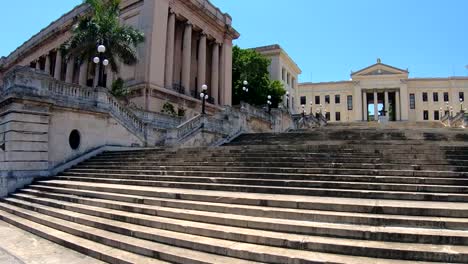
(387, 91)
(283, 69)
(188, 44)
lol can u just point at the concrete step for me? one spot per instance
(140, 246)
(292, 165)
(221, 201)
(289, 179)
(333, 192)
(200, 211)
(346, 183)
(212, 238)
(206, 170)
(85, 246)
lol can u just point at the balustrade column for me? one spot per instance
(202, 60)
(47, 64)
(169, 78)
(187, 57)
(215, 73)
(58, 65)
(83, 74)
(70, 70)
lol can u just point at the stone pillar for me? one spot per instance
(58, 66)
(96, 75)
(38, 64)
(215, 73)
(187, 57)
(202, 61)
(170, 42)
(376, 106)
(397, 106)
(70, 70)
(47, 64)
(386, 103)
(83, 74)
(226, 84)
(365, 106)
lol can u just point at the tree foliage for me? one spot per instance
(102, 26)
(249, 65)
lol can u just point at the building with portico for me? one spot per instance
(383, 92)
(188, 44)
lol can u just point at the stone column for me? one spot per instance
(187, 57)
(96, 75)
(38, 64)
(397, 100)
(202, 61)
(386, 103)
(58, 66)
(364, 100)
(83, 74)
(70, 70)
(47, 64)
(226, 84)
(376, 106)
(215, 73)
(170, 42)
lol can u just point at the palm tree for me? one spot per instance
(102, 27)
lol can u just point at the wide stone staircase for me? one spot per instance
(338, 195)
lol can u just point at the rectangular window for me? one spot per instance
(412, 102)
(327, 116)
(293, 83)
(446, 97)
(327, 99)
(317, 100)
(337, 99)
(337, 116)
(461, 96)
(435, 97)
(303, 100)
(288, 78)
(424, 95)
(282, 74)
(350, 102)
(436, 115)
(426, 115)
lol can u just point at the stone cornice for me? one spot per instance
(276, 49)
(57, 27)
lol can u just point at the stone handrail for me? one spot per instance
(39, 83)
(255, 112)
(125, 115)
(157, 119)
(189, 126)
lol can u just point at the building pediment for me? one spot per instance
(379, 69)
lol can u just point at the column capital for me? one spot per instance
(188, 23)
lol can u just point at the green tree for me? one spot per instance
(102, 26)
(249, 65)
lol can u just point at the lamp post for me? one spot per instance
(287, 100)
(269, 103)
(245, 88)
(204, 97)
(303, 111)
(101, 63)
(461, 105)
(451, 111)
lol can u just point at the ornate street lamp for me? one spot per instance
(461, 105)
(303, 111)
(269, 103)
(101, 63)
(287, 100)
(204, 96)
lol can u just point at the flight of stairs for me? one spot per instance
(325, 196)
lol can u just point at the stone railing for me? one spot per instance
(255, 112)
(159, 120)
(308, 121)
(189, 126)
(27, 81)
(125, 115)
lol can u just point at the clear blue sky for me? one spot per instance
(327, 38)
